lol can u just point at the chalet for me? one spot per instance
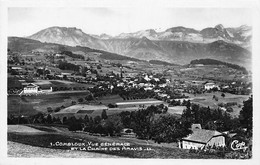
(147, 78)
(16, 68)
(201, 138)
(148, 88)
(209, 86)
(162, 95)
(156, 79)
(31, 89)
(162, 85)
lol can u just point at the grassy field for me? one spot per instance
(13, 82)
(176, 109)
(61, 83)
(206, 100)
(18, 150)
(148, 150)
(30, 105)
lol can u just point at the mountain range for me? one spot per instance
(177, 45)
(73, 36)
(240, 35)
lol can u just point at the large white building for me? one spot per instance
(31, 89)
(209, 86)
(34, 89)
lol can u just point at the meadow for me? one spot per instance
(150, 149)
(206, 100)
(30, 105)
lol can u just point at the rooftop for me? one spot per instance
(31, 85)
(202, 135)
(81, 108)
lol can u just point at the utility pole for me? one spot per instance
(121, 72)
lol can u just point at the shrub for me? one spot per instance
(49, 109)
(230, 109)
(80, 100)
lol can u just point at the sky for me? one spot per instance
(113, 21)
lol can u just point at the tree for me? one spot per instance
(57, 109)
(142, 122)
(86, 118)
(74, 124)
(223, 95)
(213, 97)
(89, 98)
(49, 119)
(109, 128)
(230, 109)
(73, 103)
(64, 120)
(211, 125)
(168, 129)
(196, 112)
(125, 118)
(97, 119)
(111, 105)
(49, 109)
(246, 114)
(80, 100)
(104, 115)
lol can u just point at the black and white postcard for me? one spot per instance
(140, 80)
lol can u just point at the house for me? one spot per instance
(162, 85)
(201, 138)
(148, 88)
(31, 89)
(209, 86)
(147, 78)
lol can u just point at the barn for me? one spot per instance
(201, 138)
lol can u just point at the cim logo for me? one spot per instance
(238, 144)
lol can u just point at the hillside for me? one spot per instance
(158, 62)
(216, 62)
(33, 140)
(180, 52)
(24, 45)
